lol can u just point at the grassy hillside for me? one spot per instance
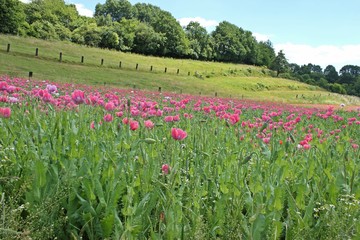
(186, 76)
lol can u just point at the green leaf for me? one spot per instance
(278, 204)
(224, 189)
(107, 224)
(258, 227)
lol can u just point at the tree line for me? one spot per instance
(146, 29)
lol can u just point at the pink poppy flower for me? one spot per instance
(169, 119)
(119, 114)
(51, 88)
(176, 118)
(266, 140)
(109, 106)
(108, 118)
(78, 96)
(165, 168)
(125, 121)
(306, 146)
(149, 124)
(46, 97)
(5, 112)
(134, 125)
(3, 85)
(178, 134)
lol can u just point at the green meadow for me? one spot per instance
(126, 70)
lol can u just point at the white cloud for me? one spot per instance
(324, 55)
(83, 11)
(261, 37)
(25, 1)
(208, 24)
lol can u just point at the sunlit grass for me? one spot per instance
(206, 78)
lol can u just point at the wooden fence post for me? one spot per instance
(159, 89)
(102, 61)
(151, 68)
(37, 52)
(165, 69)
(137, 66)
(8, 47)
(60, 57)
(178, 71)
(82, 59)
(120, 64)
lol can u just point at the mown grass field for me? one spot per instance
(194, 77)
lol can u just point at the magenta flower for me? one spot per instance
(78, 96)
(119, 114)
(266, 140)
(134, 125)
(169, 119)
(126, 121)
(178, 134)
(3, 86)
(51, 88)
(165, 168)
(108, 118)
(306, 146)
(13, 100)
(46, 97)
(149, 124)
(109, 106)
(5, 112)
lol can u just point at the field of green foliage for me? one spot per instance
(82, 162)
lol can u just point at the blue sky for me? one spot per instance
(321, 32)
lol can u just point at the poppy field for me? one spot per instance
(85, 162)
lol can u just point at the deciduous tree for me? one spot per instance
(280, 63)
(11, 16)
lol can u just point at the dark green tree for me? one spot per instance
(337, 88)
(126, 29)
(280, 63)
(12, 16)
(43, 29)
(251, 46)
(146, 40)
(294, 68)
(176, 44)
(117, 9)
(146, 13)
(330, 73)
(109, 39)
(348, 74)
(228, 43)
(266, 53)
(198, 41)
